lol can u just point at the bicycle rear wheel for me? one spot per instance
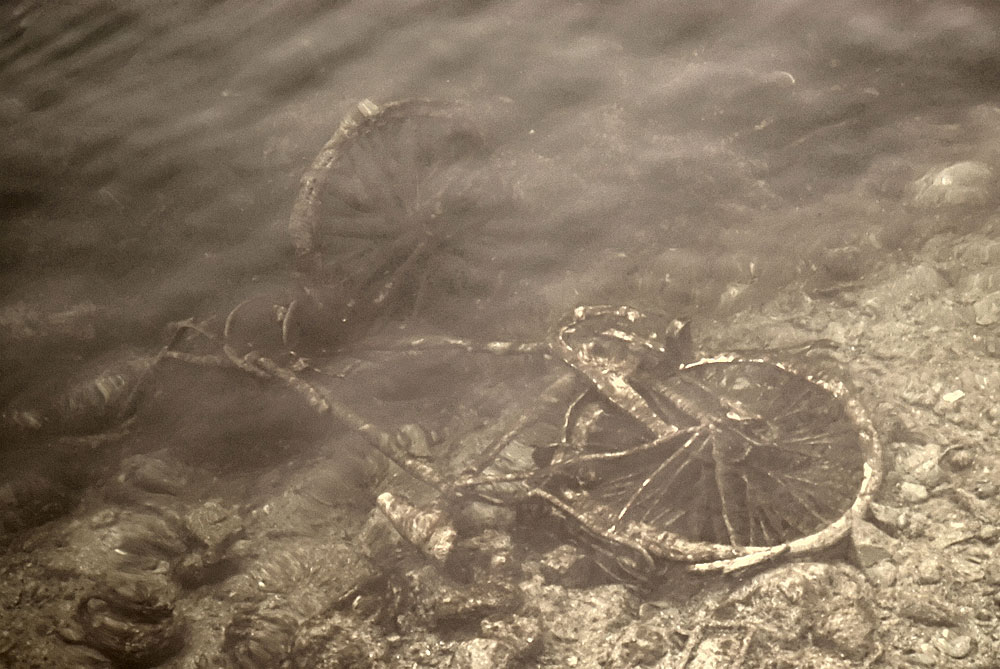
(397, 188)
(390, 175)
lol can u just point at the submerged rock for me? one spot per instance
(964, 183)
(433, 602)
(956, 646)
(913, 493)
(132, 620)
(260, 637)
(483, 654)
(987, 309)
(338, 639)
(829, 604)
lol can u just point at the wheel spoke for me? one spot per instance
(683, 455)
(730, 502)
(767, 457)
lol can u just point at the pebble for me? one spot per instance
(977, 250)
(921, 659)
(926, 609)
(482, 654)
(960, 459)
(913, 493)
(929, 571)
(985, 490)
(918, 283)
(966, 182)
(953, 396)
(949, 409)
(871, 544)
(889, 517)
(915, 457)
(988, 533)
(882, 574)
(991, 571)
(832, 605)
(979, 283)
(954, 645)
(987, 309)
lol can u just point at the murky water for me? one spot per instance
(665, 152)
(686, 156)
(689, 157)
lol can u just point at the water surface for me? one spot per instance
(687, 156)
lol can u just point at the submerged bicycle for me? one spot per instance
(716, 463)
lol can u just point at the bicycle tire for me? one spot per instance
(770, 461)
(390, 175)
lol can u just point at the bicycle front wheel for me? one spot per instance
(769, 458)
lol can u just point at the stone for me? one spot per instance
(846, 263)
(213, 525)
(926, 609)
(929, 571)
(482, 654)
(988, 533)
(488, 552)
(921, 659)
(917, 283)
(924, 467)
(975, 250)
(132, 619)
(580, 622)
(337, 639)
(987, 309)
(960, 459)
(882, 574)
(985, 490)
(957, 646)
(641, 644)
(440, 604)
(569, 566)
(830, 604)
(913, 493)
(522, 634)
(153, 475)
(991, 571)
(963, 183)
(871, 544)
(888, 517)
(977, 284)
